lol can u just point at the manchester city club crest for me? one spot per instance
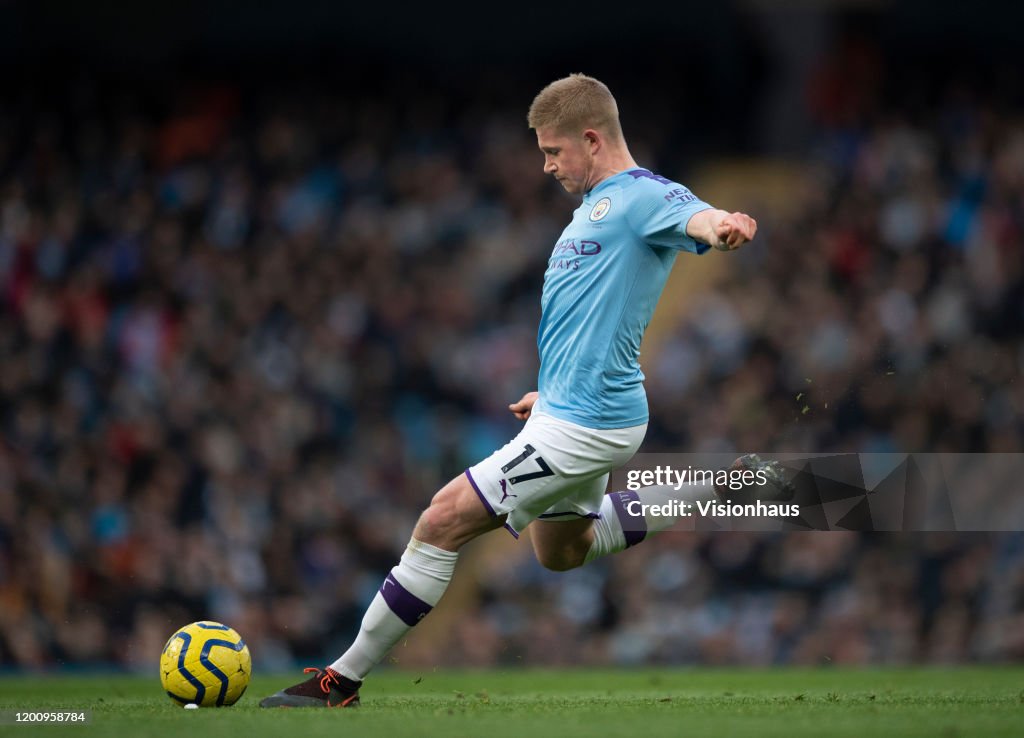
(601, 209)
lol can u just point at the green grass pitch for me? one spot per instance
(566, 703)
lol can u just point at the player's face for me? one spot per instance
(567, 158)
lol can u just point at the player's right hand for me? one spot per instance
(734, 230)
(524, 407)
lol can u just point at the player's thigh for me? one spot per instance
(455, 516)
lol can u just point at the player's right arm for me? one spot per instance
(725, 231)
(667, 214)
(524, 407)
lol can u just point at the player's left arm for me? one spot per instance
(725, 231)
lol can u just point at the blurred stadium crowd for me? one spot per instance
(246, 337)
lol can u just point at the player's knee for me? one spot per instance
(562, 546)
(453, 518)
(562, 559)
(438, 520)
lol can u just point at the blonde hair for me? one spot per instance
(573, 103)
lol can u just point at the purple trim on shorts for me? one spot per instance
(629, 522)
(490, 509)
(481, 495)
(592, 516)
(407, 606)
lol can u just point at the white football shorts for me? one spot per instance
(552, 470)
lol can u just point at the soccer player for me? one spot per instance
(589, 415)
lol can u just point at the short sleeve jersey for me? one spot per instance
(603, 280)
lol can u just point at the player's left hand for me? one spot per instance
(524, 407)
(734, 230)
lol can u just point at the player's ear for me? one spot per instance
(592, 139)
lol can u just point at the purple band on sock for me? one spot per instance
(407, 606)
(634, 527)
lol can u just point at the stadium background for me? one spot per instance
(268, 278)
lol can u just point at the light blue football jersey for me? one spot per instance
(602, 283)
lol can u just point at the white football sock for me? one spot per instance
(409, 592)
(628, 517)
